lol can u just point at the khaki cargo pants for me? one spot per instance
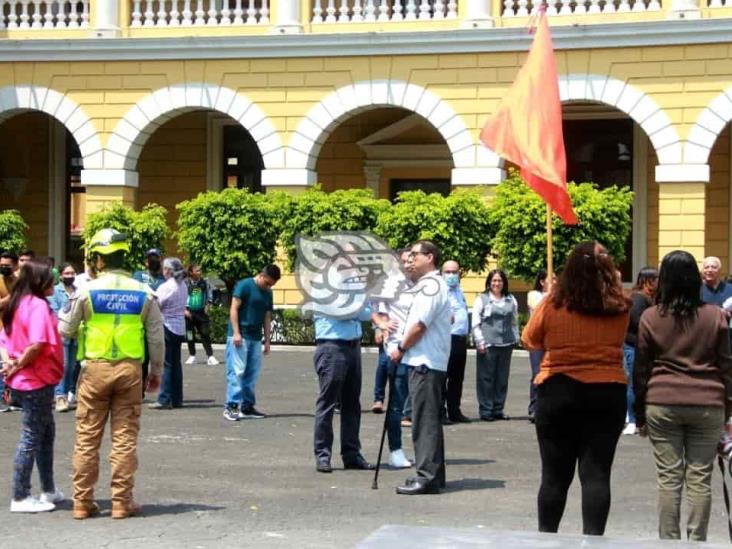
(107, 390)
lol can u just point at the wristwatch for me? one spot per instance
(401, 349)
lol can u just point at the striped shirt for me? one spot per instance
(173, 296)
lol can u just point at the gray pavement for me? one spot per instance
(206, 482)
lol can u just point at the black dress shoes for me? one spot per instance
(416, 486)
(459, 418)
(323, 466)
(501, 416)
(358, 462)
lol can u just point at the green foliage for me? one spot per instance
(12, 231)
(458, 224)
(219, 319)
(316, 211)
(232, 232)
(518, 217)
(145, 229)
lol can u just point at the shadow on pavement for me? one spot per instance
(465, 484)
(156, 509)
(469, 461)
(289, 415)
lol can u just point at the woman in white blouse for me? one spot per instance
(533, 299)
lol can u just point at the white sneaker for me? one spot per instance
(191, 360)
(630, 429)
(212, 361)
(52, 497)
(71, 398)
(398, 459)
(30, 505)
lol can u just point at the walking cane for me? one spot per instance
(391, 376)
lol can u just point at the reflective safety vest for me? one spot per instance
(115, 330)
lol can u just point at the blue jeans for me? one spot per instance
(382, 367)
(629, 355)
(243, 364)
(398, 392)
(37, 434)
(171, 389)
(535, 358)
(66, 385)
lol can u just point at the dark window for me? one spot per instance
(242, 162)
(429, 186)
(75, 203)
(601, 152)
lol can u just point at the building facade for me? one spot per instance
(143, 101)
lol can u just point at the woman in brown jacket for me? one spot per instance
(682, 379)
(581, 398)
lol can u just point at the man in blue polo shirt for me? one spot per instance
(338, 366)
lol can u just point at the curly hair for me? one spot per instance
(589, 283)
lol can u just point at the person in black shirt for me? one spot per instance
(642, 297)
(197, 320)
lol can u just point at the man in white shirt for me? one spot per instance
(425, 348)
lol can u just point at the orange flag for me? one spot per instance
(527, 127)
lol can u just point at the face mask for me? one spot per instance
(68, 280)
(452, 280)
(153, 265)
(6, 270)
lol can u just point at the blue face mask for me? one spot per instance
(452, 280)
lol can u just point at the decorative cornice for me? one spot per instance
(615, 35)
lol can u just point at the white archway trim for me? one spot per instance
(320, 121)
(632, 101)
(16, 99)
(707, 128)
(140, 122)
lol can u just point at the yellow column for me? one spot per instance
(106, 186)
(681, 210)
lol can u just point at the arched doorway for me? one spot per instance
(386, 149)
(40, 167)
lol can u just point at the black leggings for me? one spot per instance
(577, 423)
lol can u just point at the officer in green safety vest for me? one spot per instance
(111, 316)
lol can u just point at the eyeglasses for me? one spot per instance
(412, 255)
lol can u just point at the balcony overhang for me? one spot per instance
(615, 35)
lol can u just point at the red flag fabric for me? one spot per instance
(527, 127)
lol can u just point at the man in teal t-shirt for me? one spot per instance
(250, 317)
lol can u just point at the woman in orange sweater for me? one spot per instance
(581, 394)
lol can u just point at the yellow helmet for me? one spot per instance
(108, 241)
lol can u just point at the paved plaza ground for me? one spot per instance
(206, 482)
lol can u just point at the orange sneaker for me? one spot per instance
(85, 510)
(122, 510)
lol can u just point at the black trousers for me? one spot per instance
(198, 322)
(425, 389)
(453, 386)
(577, 426)
(338, 366)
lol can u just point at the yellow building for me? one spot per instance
(157, 100)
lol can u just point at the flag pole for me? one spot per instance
(549, 245)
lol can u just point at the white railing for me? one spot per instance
(360, 11)
(199, 13)
(522, 8)
(44, 14)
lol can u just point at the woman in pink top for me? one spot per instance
(32, 354)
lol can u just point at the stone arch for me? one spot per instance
(140, 122)
(22, 98)
(314, 129)
(706, 129)
(627, 98)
